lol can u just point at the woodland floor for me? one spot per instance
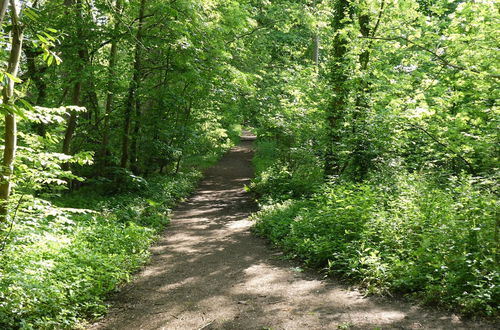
(208, 271)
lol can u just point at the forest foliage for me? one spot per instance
(377, 157)
(118, 106)
(380, 164)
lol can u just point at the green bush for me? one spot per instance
(417, 237)
(59, 264)
(280, 176)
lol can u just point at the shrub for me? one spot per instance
(285, 175)
(60, 263)
(437, 242)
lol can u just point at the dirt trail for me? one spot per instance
(209, 272)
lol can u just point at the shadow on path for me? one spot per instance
(209, 272)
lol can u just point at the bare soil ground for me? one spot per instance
(209, 272)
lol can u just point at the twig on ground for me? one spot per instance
(206, 325)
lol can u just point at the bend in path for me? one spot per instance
(209, 272)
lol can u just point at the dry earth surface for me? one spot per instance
(209, 272)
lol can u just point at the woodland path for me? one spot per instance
(209, 272)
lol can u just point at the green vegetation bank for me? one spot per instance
(377, 157)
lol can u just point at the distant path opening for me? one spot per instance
(209, 272)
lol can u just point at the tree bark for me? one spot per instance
(134, 85)
(91, 99)
(134, 167)
(72, 120)
(110, 92)
(77, 88)
(35, 75)
(10, 137)
(338, 80)
(3, 9)
(316, 44)
(186, 120)
(360, 159)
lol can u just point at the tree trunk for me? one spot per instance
(184, 137)
(10, 137)
(338, 80)
(110, 92)
(3, 9)
(77, 88)
(91, 99)
(126, 126)
(134, 85)
(35, 75)
(316, 43)
(360, 159)
(71, 126)
(135, 137)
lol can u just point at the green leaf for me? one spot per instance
(42, 39)
(13, 78)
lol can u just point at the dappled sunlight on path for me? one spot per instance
(209, 272)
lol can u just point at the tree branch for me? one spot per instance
(435, 139)
(236, 37)
(381, 11)
(441, 58)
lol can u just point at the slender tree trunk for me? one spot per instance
(338, 80)
(316, 38)
(126, 128)
(134, 85)
(72, 120)
(110, 92)
(364, 26)
(71, 123)
(316, 44)
(135, 137)
(3, 9)
(186, 120)
(10, 137)
(77, 88)
(35, 75)
(91, 100)
(75, 99)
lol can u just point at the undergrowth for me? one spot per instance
(402, 233)
(60, 263)
(63, 253)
